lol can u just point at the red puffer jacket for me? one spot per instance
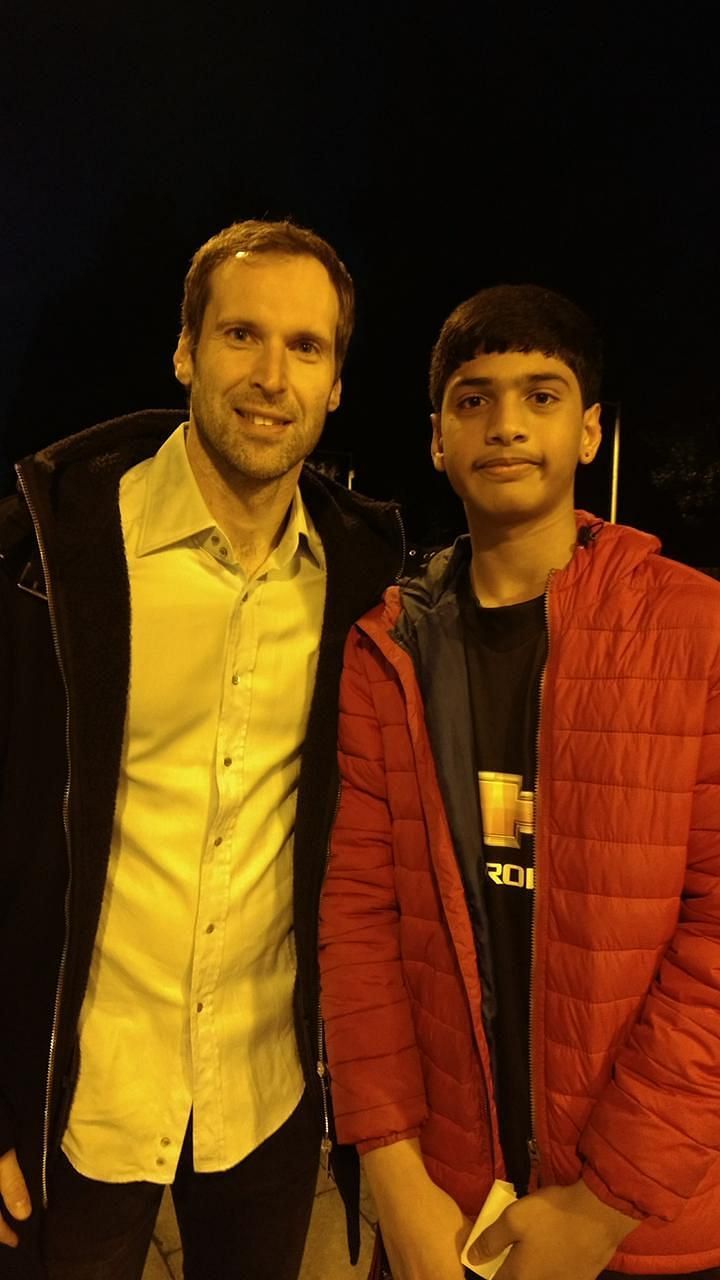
(626, 976)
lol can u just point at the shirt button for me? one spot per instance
(227, 761)
(160, 1160)
(217, 841)
(236, 678)
(210, 928)
(199, 1006)
(223, 551)
(164, 1142)
(214, 539)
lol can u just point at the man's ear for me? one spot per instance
(183, 361)
(335, 395)
(591, 433)
(436, 447)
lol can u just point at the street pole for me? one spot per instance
(615, 467)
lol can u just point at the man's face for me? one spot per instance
(262, 377)
(510, 434)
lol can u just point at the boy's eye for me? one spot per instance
(543, 398)
(470, 402)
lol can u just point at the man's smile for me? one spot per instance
(263, 419)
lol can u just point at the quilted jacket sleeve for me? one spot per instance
(377, 1083)
(654, 1132)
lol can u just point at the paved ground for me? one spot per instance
(325, 1255)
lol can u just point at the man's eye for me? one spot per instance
(470, 402)
(308, 348)
(543, 398)
(238, 334)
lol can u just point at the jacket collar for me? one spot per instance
(175, 510)
(603, 554)
(69, 484)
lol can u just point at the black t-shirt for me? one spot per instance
(505, 651)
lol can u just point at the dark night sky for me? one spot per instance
(569, 146)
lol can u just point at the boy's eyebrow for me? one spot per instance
(526, 379)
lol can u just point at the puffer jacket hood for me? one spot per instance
(616, 555)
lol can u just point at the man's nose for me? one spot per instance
(269, 371)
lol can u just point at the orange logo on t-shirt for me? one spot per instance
(508, 812)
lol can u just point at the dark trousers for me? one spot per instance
(247, 1223)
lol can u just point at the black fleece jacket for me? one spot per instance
(64, 676)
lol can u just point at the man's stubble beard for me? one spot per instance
(221, 433)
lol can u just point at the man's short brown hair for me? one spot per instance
(255, 236)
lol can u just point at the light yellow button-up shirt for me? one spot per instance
(189, 1002)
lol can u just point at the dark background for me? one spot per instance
(439, 149)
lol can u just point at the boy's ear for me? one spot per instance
(591, 434)
(436, 447)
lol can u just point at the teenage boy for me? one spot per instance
(520, 927)
(174, 600)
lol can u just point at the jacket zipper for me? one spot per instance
(533, 1148)
(66, 825)
(321, 1065)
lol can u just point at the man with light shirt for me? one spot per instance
(175, 602)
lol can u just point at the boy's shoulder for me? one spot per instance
(673, 586)
(627, 565)
(672, 609)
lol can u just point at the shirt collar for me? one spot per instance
(174, 507)
(175, 510)
(299, 535)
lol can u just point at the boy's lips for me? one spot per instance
(507, 466)
(508, 460)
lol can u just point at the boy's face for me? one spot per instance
(510, 433)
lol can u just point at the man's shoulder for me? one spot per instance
(363, 538)
(131, 437)
(19, 557)
(15, 522)
(321, 495)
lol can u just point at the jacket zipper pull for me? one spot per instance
(326, 1141)
(534, 1154)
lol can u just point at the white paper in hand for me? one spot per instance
(501, 1195)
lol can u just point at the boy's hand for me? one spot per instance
(557, 1233)
(426, 1244)
(13, 1196)
(423, 1229)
